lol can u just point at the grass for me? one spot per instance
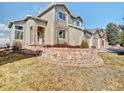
(35, 73)
(112, 58)
(13, 57)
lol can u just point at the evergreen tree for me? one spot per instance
(112, 32)
(121, 35)
(122, 38)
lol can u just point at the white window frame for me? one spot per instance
(17, 30)
(62, 18)
(63, 37)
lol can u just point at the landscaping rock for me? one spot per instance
(72, 56)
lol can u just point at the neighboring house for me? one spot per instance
(55, 25)
(96, 38)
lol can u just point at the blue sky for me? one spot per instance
(95, 15)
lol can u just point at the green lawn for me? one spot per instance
(35, 73)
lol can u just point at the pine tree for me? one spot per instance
(112, 31)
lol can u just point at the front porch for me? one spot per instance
(36, 36)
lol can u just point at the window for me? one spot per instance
(18, 27)
(85, 33)
(18, 35)
(61, 33)
(77, 23)
(18, 32)
(95, 35)
(62, 16)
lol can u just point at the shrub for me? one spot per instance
(17, 46)
(84, 44)
(93, 46)
(3, 52)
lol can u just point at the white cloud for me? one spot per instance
(3, 27)
(4, 41)
(2, 34)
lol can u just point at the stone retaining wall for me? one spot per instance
(73, 56)
(31, 52)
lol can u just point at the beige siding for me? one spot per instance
(13, 40)
(75, 36)
(29, 23)
(49, 31)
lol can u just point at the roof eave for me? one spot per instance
(76, 27)
(10, 24)
(85, 30)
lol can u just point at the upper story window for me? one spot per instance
(95, 35)
(18, 32)
(62, 16)
(18, 27)
(77, 22)
(85, 33)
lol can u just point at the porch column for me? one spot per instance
(35, 35)
(98, 43)
(91, 41)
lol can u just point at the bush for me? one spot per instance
(17, 46)
(3, 52)
(93, 46)
(84, 44)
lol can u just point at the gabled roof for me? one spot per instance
(25, 19)
(100, 32)
(50, 6)
(75, 17)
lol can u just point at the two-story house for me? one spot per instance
(55, 25)
(96, 38)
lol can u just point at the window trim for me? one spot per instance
(62, 18)
(63, 34)
(19, 31)
(21, 26)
